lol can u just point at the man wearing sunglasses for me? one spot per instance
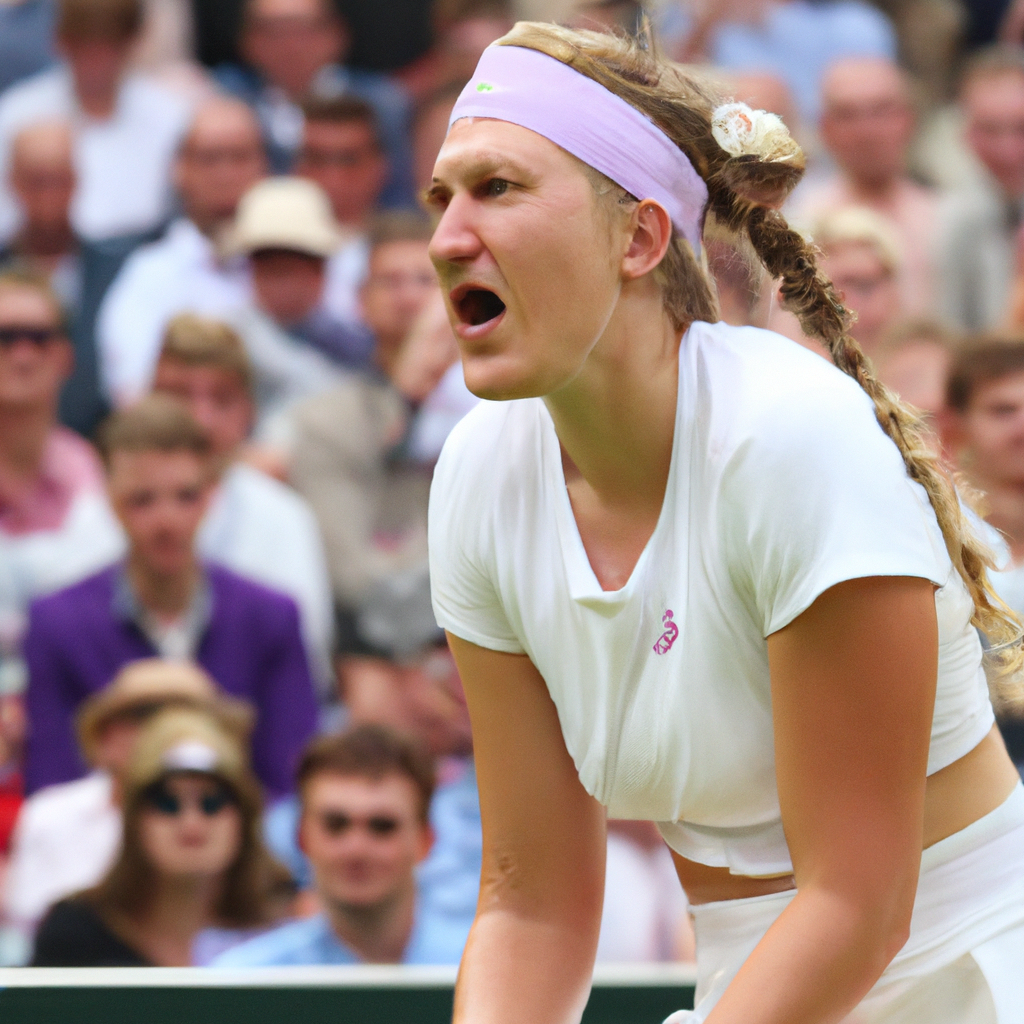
(365, 797)
(55, 527)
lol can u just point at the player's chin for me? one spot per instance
(504, 377)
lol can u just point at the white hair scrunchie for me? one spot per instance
(741, 131)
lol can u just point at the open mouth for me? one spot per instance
(476, 306)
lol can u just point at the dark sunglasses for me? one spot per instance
(337, 824)
(38, 336)
(162, 800)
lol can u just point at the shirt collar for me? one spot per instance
(127, 608)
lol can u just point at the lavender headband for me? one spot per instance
(531, 89)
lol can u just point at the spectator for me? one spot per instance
(463, 29)
(191, 858)
(644, 918)
(297, 346)
(796, 40)
(127, 126)
(867, 123)
(26, 39)
(255, 526)
(342, 153)
(914, 360)
(161, 600)
(42, 178)
(430, 126)
(860, 255)
(983, 430)
(979, 223)
(365, 799)
(404, 678)
(44, 865)
(55, 527)
(293, 49)
(352, 450)
(220, 159)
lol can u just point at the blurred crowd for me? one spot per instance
(231, 732)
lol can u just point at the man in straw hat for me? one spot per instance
(287, 230)
(67, 834)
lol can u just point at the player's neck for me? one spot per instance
(616, 420)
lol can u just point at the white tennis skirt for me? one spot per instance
(964, 960)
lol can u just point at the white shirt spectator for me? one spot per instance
(262, 529)
(181, 272)
(65, 840)
(346, 270)
(40, 562)
(124, 161)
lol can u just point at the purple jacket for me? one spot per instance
(76, 643)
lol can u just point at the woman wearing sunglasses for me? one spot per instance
(192, 859)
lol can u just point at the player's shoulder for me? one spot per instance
(494, 440)
(761, 387)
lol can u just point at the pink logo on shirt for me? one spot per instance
(668, 638)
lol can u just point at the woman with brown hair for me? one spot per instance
(693, 573)
(192, 857)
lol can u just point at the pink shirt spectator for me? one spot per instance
(70, 467)
(912, 211)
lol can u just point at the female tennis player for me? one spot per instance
(693, 573)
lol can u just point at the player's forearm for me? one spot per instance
(519, 969)
(816, 962)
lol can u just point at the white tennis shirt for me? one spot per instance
(782, 484)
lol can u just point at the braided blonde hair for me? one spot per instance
(743, 195)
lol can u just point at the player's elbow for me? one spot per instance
(561, 893)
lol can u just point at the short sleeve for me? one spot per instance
(817, 494)
(461, 533)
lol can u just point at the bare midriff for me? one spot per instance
(955, 796)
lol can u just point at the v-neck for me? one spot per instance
(584, 585)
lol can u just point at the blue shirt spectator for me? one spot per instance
(26, 39)
(361, 818)
(435, 939)
(795, 41)
(448, 880)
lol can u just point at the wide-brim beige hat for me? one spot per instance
(191, 741)
(285, 213)
(143, 687)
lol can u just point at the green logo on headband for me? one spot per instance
(484, 87)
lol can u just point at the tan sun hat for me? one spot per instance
(285, 213)
(143, 687)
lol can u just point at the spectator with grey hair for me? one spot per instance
(43, 180)
(979, 222)
(127, 125)
(187, 270)
(867, 123)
